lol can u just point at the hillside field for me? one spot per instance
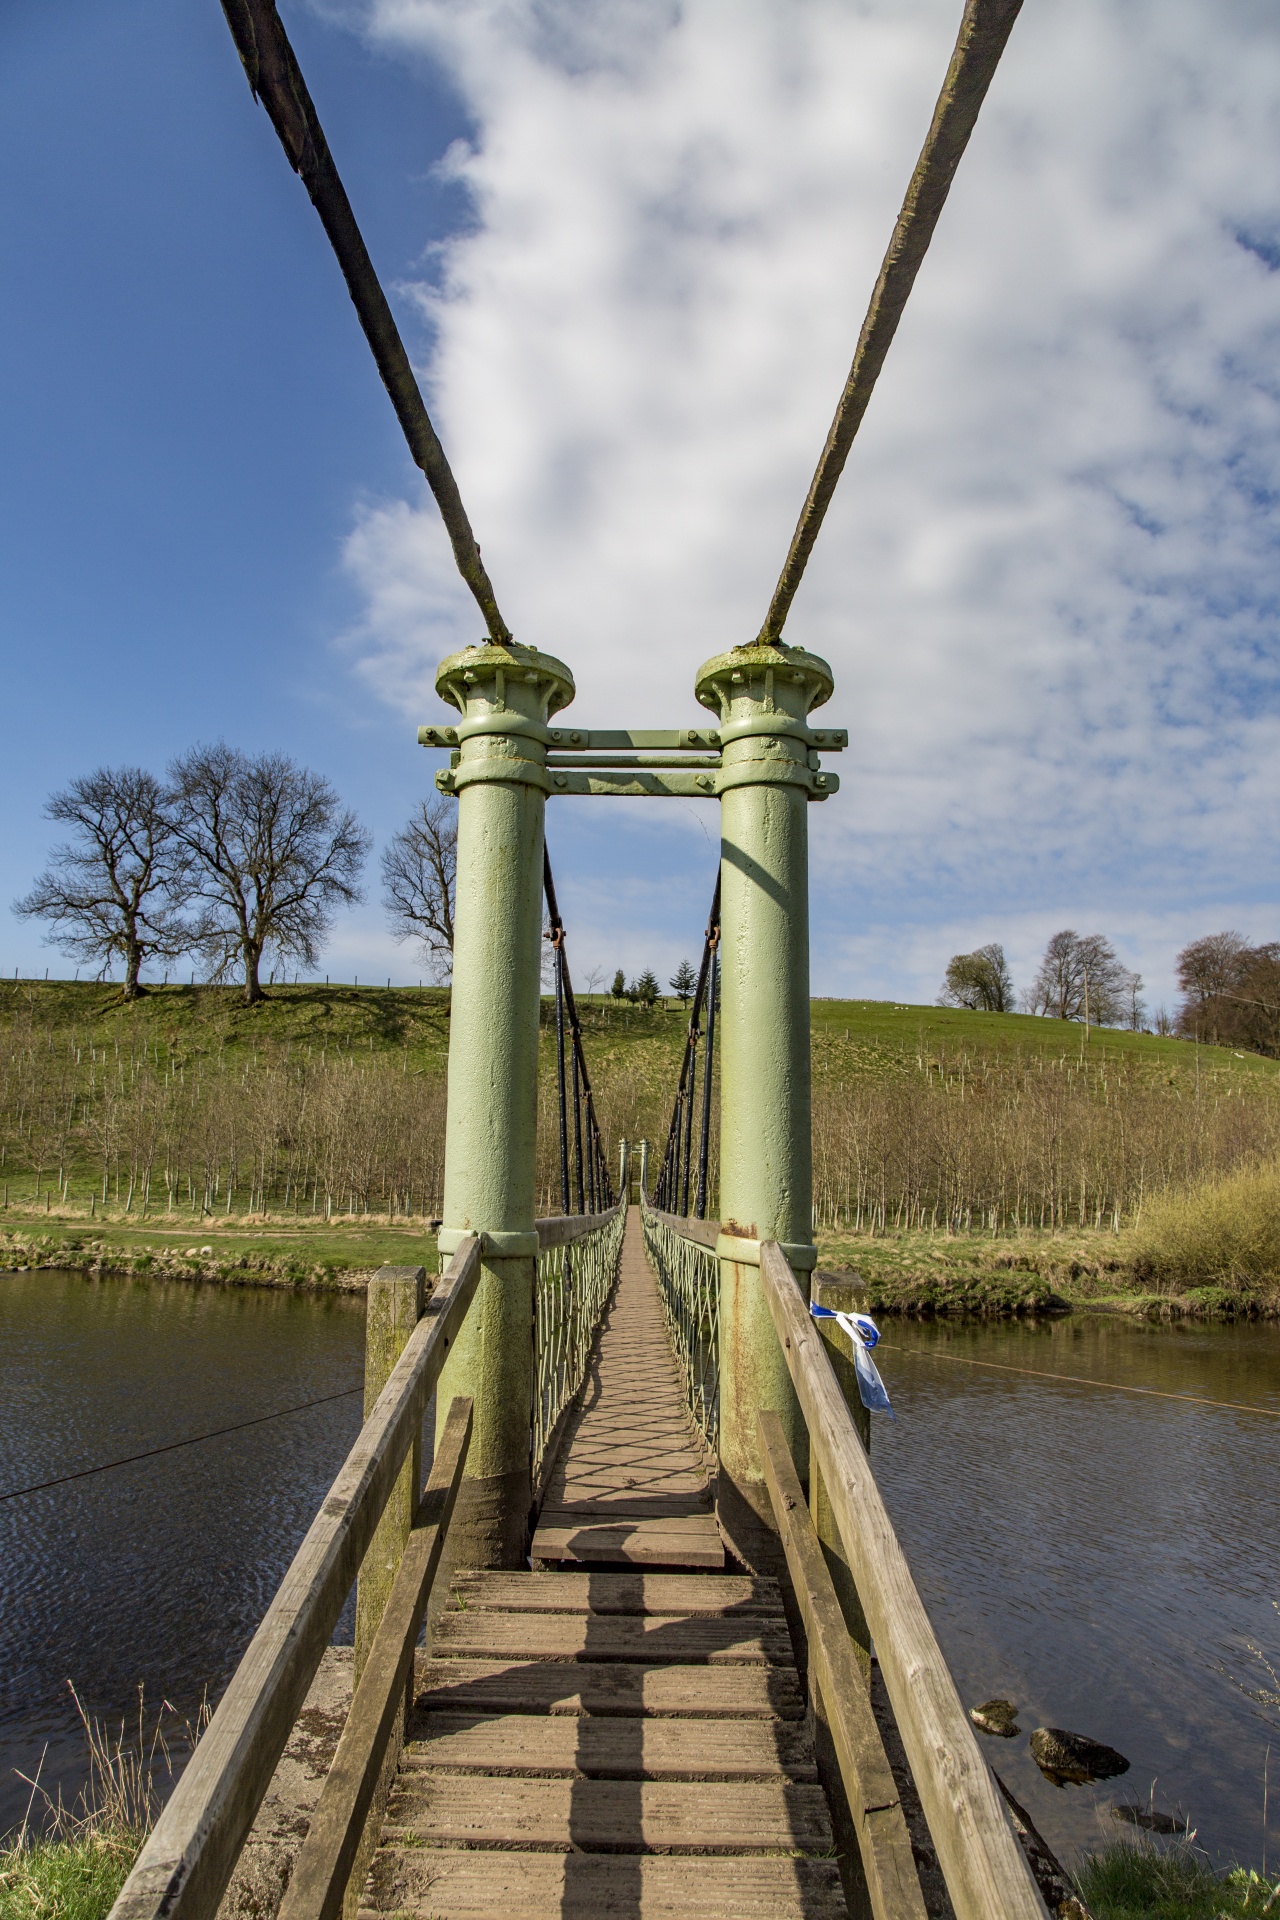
(961, 1159)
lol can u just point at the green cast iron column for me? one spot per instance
(763, 695)
(504, 696)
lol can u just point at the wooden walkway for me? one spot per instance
(612, 1744)
(631, 1485)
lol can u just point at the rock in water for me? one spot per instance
(996, 1716)
(1153, 1820)
(1063, 1757)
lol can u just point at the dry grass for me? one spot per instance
(1221, 1232)
(69, 1863)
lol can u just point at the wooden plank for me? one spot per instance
(561, 1229)
(609, 1816)
(893, 1886)
(445, 1884)
(610, 1747)
(687, 1640)
(183, 1868)
(328, 1855)
(645, 1543)
(985, 1872)
(500, 1686)
(670, 1593)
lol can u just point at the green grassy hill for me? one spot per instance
(865, 1035)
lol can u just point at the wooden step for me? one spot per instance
(607, 1816)
(444, 1884)
(650, 1543)
(611, 1747)
(670, 1593)
(502, 1686)
(687, 1640)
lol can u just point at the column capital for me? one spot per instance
(748, 683)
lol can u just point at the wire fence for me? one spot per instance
(574, 1283)
(689, 1283)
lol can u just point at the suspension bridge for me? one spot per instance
(645, 1643)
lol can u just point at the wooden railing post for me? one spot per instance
(393, 1309)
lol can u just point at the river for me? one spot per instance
(1102, 1559)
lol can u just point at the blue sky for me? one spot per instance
(630, 247)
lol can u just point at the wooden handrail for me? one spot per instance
(986, 1874)
(328, 1854)
(183, 1869)
(561, 1229)
(705, 1232)
(893, 1885)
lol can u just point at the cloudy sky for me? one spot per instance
(630, 245)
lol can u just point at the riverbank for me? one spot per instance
(926, 1274)
(328, 1256)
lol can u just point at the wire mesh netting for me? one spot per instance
(574, 1282)
(689, 1282)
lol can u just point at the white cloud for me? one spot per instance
(1048, 585)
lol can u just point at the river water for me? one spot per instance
(1102, 1559)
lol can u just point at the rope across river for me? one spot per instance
(1084, 1380)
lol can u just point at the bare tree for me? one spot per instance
(1210, 972)
(1135, 1007)
(109, 892)
(419, 873)
(980, 981)
(1080, 978)
(268, 855)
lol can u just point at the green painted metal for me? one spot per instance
(763, 696)
(505, 696)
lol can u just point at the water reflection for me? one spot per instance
(1101, 1559)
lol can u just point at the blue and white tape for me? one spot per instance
(864, 1334)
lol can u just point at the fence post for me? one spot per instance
(644, 1165)
(624, 1172)
(763, 696)
(505, 695)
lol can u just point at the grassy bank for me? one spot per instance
(69, 1879)
(924, 1274)
(336, 1254)
(1128, 1881)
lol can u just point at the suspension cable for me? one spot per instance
(592, 1183)
(671, 1190)
(275, 80)
(984, 30)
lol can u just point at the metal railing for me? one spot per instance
(577, 1266)
(682, 1253)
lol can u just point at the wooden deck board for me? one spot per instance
(639, 1593)
(686, 1640)
(605, 1742)
(609, 1747)
(630, 1486)
(447, 1884)
(609, 1816)
(504, 1686)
